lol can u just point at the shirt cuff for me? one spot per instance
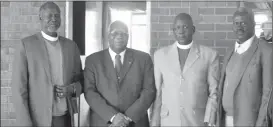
(128, 118)
(112, 118)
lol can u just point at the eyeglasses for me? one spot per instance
(239, 23)
(116, 33)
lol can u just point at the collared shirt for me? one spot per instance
(49, 37)
(113, 55)
(55, 57)
(184, 46)
(241, 48)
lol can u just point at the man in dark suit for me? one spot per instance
(119, 82)
(246, 78)
(46, 75)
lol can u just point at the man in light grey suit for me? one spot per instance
(246, 77)
(46, 75)
(186, 76)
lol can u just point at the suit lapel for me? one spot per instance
(109, 66)
(42, 51)
(128, 61)
(193, 55)
(223, 73)
(174, 60)
(250, 52)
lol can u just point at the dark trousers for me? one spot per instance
(61, 121)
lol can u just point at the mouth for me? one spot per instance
(240, 32)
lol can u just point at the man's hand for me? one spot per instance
(210, 125)
(120, 121)
(64, 91)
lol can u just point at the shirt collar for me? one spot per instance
(113, 54)
(50, 38)
(184, 46)
(241, 48)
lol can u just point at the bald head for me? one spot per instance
(183, 16)
(118, 36)
(118, 25)
(242, 11)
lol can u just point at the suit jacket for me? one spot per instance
(270, 111)
(32, 86)
(131, 95)
(254, 83)
(185, 96)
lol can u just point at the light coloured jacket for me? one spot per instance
(188, 97)
(254, 83)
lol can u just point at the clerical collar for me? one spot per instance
(184, 46)
(50, 38)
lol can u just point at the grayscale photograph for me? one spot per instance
(178, 63)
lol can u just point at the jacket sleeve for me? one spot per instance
(267, 83)
(213, 81)
(156, 107)
(139, 108)
(78, 72)
(20, 84)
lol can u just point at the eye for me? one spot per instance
(115, 33)
(185, 27)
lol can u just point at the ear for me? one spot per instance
(193, 29)
(40, 17)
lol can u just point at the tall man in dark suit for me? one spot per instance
(246, 78)
(119, 82)
(46, 75)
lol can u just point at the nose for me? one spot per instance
(180, 31)
(53, 18)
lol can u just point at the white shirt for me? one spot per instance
(113, 55)
(49, 37)
(241, 48)
(184, 46)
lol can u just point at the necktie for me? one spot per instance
(118, 63)
(238, 49)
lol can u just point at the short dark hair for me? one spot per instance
(117, 24)
(49, 4)
(182, 16)
(242, 11)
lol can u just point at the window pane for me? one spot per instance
(139, 19)
(139, 40)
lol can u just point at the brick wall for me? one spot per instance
(18, 20)
(213, 21)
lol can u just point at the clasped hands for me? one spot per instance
(210, 124)
(64, 91)
(120, 120)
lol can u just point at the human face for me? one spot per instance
(183, 31)
(118, 39)
(50, 20)
(243, 27)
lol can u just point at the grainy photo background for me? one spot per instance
(213, 21)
